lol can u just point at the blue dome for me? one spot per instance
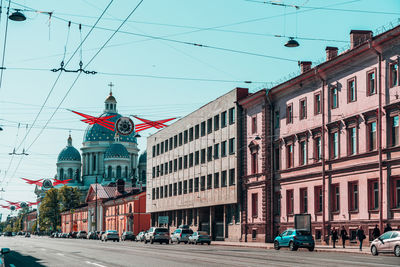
(97, 132)
(116, 150)
(69, 153)
(143, 157)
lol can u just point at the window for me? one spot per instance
(394, 131)
(254, 159)
(352, 141)
(289, 114)
(161, 170)
(209, 181)
(190, 185)
(170, 190)
(223, 149)
(216, 151)
(209, 126)
(175, 141)
(232, 116)
(317, 103)
(154, 151)
(216, 180)
(166, 145)
(203, 155)
(254, 205)
(303, 200)
(202, 183)
(180, 188)
(371, 128)
(216, 122)
(153, 194)
(351, 90)
(180, 139)
(185, 162)
(277, 158)
(185, 186)
(373, 195)
(303, 109)
(162, 147)
(196, 184)
(166, 191)
(334, 144)
(158, 171)
(175, 189)
(334, 97)
(175, 165)
(191, 160)
(231, 145)
(277, 122)
(196, 158)
(170, 166)
(223, 119)
(158, 149)
(335, 197)
(303, 152)
(254, 124)
(196, 131)
(231, 176)
(185, 136)
(203, 128)
(394, 74)
(180, 163)
(153, 172)
(289, 202)
(191, 134)
(289, 156)
(223, 179)
(371, 83)
(166, 168)
(170, 143)
(395, 193)
(317, 148)
(318, 199)
(209, 153)
(353, 196)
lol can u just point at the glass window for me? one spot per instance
(317, 103)
(290, 156)
(197, 131)
(371, 83)
(216, 151)
(216, 122)
(203, 128)
(334, 97)
(352, 140)
(351, 87)
(303, 152)
(223, 179)
(216, 180)
(223, 119)
(231, 145)
(303, 109)
(209, 126)
(372, 136)
(232, 177)
(231, 115)
(289, 114)
(223, 149)
(394, 70)
(395, 131)
(185, 136)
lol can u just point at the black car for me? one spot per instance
(8, 234)
(127, 236)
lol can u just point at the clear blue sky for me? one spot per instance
(38, 43)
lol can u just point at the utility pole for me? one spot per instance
(95, 211)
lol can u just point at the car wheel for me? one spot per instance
(374, 251)
(292, 247)
(276, 245)
(186, 242)
(145, 241)
(397, 251)
(179, 242)
(311, 249)
(209, 243)
(202, 243)
(151, 241)
(105, 240)
(118, 240)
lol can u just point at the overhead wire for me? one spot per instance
(4, 44)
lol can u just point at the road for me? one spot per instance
(44, 251)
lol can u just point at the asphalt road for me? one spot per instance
(44, 251)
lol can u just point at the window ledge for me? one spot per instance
(336, 212)
(373, 211)
(353, 211)
(395, 209)
(318, 213)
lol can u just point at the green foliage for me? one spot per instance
(34, 226)
(49, 211)
(69, 197)
(8, 228)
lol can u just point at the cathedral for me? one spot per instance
(105, 157)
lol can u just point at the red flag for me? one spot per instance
(103, 121)
(149, 124)
(36, 182)
(64, 182)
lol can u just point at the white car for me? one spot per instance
(155, 234)
(2, 253)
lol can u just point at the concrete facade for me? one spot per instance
(193, 169)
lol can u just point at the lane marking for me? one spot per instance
(60, 254)
(94, 263)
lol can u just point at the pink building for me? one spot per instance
(336, 138)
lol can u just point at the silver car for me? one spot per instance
(140, 236)
(389, 242)
(110, 235)
(155, 234)
(181, 235)
(3, 251)
(199, 237)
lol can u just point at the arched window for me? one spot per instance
(94, 163)
(130, 208)
(119, 172)
(109, 174)
(106, 106)
(126, 171)
(69, 173)
(78, 174)
(61, 173)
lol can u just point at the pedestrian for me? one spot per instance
(376, 232)
(361, 236)
(387, 228)
(343, 235)
(334, 234)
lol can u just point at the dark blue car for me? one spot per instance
(294, 239)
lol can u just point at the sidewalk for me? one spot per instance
(318, 248)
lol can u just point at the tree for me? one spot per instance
(69, 197)
(49, 209)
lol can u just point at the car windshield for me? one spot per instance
(302, 232)
(203, 233)
(112, 231)
(128, 233)
(161, 230)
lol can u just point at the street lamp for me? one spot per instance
(292, 43)
(17, 16)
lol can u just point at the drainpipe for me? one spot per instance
(379, 133)
(271, 135)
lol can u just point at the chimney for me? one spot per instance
(305, 66)
(121, 186)
(358, 37)
(331, 52)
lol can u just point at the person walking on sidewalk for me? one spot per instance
(376, 232)
(361, 236)
(387, 228)
(343, 236)
(335, 237)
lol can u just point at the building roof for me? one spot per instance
(116, 150)
(69, 153)
(106, 192)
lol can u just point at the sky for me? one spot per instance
(157, 70)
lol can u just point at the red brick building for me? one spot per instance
(28, 221)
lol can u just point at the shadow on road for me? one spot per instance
(19, 260)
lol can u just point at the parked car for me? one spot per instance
(73, 235)
(27, 234)
(82, 234)
(156, 234)
(110, 235)
(8, 234)
(199, 237)
(389, 242)
(294, 239)
(2, 253)
(127, 236)
(92, 235)
(140, 237)
(99, 234)
(181, 235)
